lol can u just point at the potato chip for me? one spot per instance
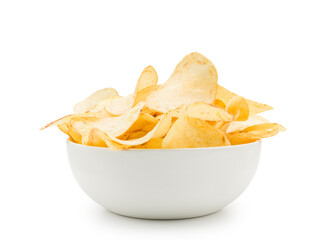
(263, 130)
(193, 80)
(239, 108)
(143, 121)
(225, 96)
(57, 122)
(148, 78)
(189, 132)
(219, 103)
(223, 126)
(100, 139)
(70, 130)
(132, 135)
(158, 131)
(90, 103)
(142, 95)
(117, 126)
(154, 143)
(240, 125)
(208, 112)
(236, 138)
(80, 124)
(120, 105)
(256, 107)
(67, 118)
(93, 139)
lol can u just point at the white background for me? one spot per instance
(55, 53)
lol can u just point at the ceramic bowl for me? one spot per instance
(164, 183)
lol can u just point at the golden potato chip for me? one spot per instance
(148, 78)
(222, 126)
(67, 118)
(116, 126)
(256, 107)
(57, 122)
(263, 130)
(189, 132)
(120, 105)
(94, 139)
(101, 105)
(239, 108)
(142, 95)
(225, 96)
(237, 138)
(154, 143)
(208, 112)
(100, 139)
(158, 131)
(90, 103)
(70, 130)
(193, 80)
(174, 113)
(132, 135)
(240, 125)
(219, 103)
(143, 121)
(281, 128)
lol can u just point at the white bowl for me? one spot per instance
(164, 183)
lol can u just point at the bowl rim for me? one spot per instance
(258, 142)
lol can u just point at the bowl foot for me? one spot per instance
(160, 217)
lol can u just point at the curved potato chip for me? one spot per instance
(225, 96)
(237, 138)
(78, 125)
(57, 122)
(158, 131)
(256, 107)
(94, 139)
(281, 128)
(240, 125)
(100, 139)
(143, 120)
(262, 130)
(193, 80)
(70, 130)
(142, 95)
(219, 103)
(239, 108)
(132, 135)
(148, 78)
(208, 112)
(69, 117)
(90, 103)
(120, 105)
(117, 126)
(222, 126)
(155, 143)
(82, 123)
(189, 132)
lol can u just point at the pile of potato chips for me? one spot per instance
(190, 110)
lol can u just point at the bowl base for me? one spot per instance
(165, 218)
